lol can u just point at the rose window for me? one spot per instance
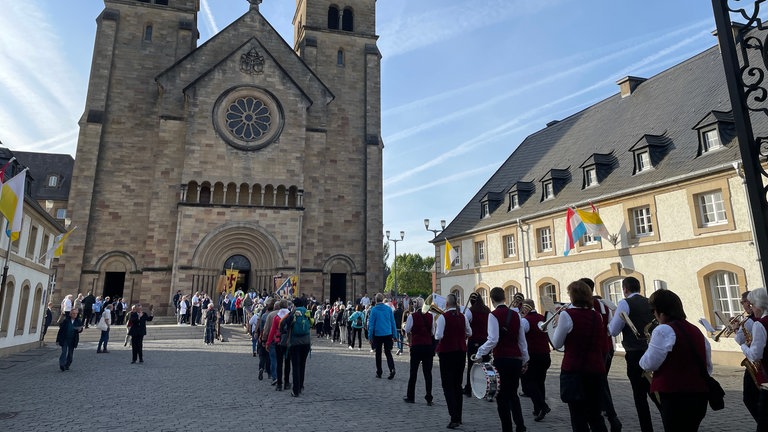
(248, 118)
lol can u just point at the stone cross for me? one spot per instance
(254, 4)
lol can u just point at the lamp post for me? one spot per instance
(435, 231)
(394, 261)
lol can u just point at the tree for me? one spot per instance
(413, 275)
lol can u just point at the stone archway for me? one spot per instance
(249, 240)
(337, 279)
(118, 276)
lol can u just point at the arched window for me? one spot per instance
(726, 296)
(36, 305)
(218, 193)
(205, 194)
(5, 313)
(148, 33)
(256, 195)
(193, 191)
(333, 18)
(340, 57)
(509, 293)
(281, 198)
(293, 193)
(21, 316)
(347, 20)
(459, 298)
(231, 197)
(484, 295)
(612, 290)
(244, 195)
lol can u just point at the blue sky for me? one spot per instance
(463, 82)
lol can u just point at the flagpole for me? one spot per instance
(5, 266)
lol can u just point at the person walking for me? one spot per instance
(419, 326)
(298, 326)
(68, 337)
(381, 332)
(639, 311)
(452, 332)
(104, 324)
(47, 320)
(356, 326)
(506, 339)
(138, 321)
(88, 303)
(540, 360)
(210, 324)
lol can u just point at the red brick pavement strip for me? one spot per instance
(185, 385)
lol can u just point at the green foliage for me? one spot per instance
(387, 270)
(413, 275)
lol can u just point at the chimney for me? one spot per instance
(735, 29)
(553, 122)
(628, 84)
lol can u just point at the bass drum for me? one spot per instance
(485, 381)
(551, 329)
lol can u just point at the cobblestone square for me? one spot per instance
(185, 385)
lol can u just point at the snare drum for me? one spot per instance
(486, 382)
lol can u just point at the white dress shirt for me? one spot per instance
(439, 332)
(564, 326)
(493, 338)
(754, 352)
(616, 325)
(662, 341)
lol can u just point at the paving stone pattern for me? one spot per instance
(185, 385)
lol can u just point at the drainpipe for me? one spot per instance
(524, 239)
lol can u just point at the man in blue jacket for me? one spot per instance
(381, 332)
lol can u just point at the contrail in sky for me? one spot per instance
(209, 20)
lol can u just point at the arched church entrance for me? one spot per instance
(243, 267)
(246, 247)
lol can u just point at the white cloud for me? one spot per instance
(490, 168)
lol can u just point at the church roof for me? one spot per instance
(659, 116)
(43, 165)
(250, 28)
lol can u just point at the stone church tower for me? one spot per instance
(242, 153)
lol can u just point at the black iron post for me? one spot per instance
(747, 90)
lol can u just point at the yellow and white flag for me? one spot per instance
(449, 257)
(12, 203)
(58, 245)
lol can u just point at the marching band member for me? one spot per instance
(538, 350)
(581, 331)
(639, 311)
(506, 337)
(606, 398)
(678, 354)
(452, 332)
(751, 393)
(419, 327)
(478, 320)
(757, 352)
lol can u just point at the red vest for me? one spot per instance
(681, 370)
(421, 330)
(608, 344)
(762, 373)
(585, 344)
(479, 325)
(507, 347)
(538, 341)
(454, 334)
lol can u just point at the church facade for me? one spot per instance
(243, 153)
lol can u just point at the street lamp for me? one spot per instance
(394, 262)
(435, 231)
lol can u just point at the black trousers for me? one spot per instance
(195, 314)
(751, 396)
(683, 412)
(585, 413)
(87, 315)
(605, 391)
(137, 347)
(641, 389)
(507, 401)
(472, 347)
(420, 355)
(451, 374)
(298, 355)
(357, 333)
(283, 362)
(762, 420)
(385, 342)
(533, 380)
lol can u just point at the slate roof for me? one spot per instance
(41, 165)
(662, 111)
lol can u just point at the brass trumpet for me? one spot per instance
(430, 306)
(731, 327)
(543, 325)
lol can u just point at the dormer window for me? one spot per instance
(514, 201)
(484, 212)
(643, 161)
(549, 190)
(590, 177)
(53, 181)
(710, 141)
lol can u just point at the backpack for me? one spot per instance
(301, 324)
(359, 321)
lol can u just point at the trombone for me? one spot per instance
(731, 326)
(544, 325)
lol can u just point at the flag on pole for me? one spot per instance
(12, 203)
(574, 229)
(231, 280)
(58, 245)
(593, 223)
(449, 258)
(5, 167)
